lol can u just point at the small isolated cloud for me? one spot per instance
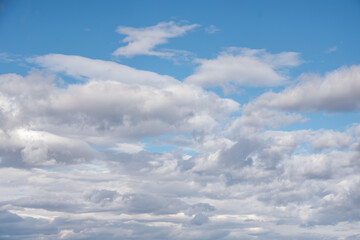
(244, 67)
(212, 29)
(142, 41)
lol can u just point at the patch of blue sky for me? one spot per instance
(324, 120)
(10, 63)
(259, 24)
(177, 68)
(161, 145)
(63, 80)
(101, 149)
(304, 149)
(161, 148)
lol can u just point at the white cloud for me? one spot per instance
(142, 41)
(255, 119)
(129, 148)
(125, 111)
(337, 91)
(331, 139)
(244, 67)
(86, 68)
(40, 148)
(114, 103)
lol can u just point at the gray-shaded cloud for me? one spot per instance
(337, 91)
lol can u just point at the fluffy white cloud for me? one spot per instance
(253, 120)
(39, 148)
(330, 139)
(132, 111)
(337, 91)
(142, 41)
(244, 67)
(110, 107)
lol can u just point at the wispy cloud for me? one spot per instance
(211, 29)
(143, 41)
(332, 49)
(8, 57)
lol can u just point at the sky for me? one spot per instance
(179, 120)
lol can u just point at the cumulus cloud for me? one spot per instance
(39, 148)
(331, 139)
(112, 105)
(134, 112)
(244, 67)
(253, 119)
(337, 91)
(142, 41)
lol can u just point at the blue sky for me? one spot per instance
(87, 28)
(179, 119)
